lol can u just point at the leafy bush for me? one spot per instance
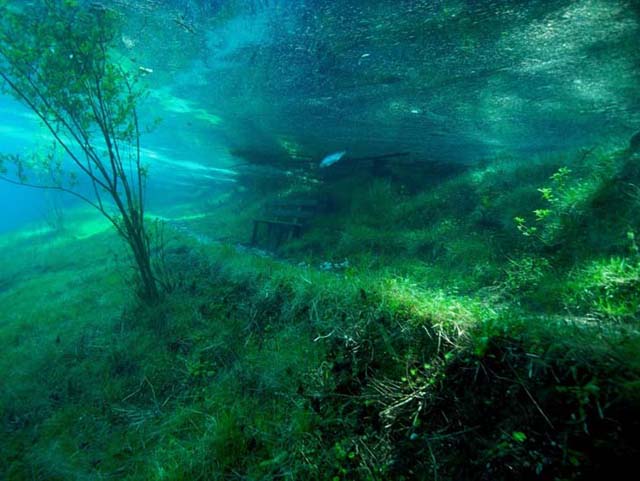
(607, 288)
(524, 274)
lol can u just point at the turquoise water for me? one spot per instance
(268, 82)
(319, 240)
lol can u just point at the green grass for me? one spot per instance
(450, 347)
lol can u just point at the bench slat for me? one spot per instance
(289, 215)
(277, 222)
(296, 214)
(302, 203)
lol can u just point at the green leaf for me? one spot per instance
(519, 436)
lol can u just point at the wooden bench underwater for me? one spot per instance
(283, 220)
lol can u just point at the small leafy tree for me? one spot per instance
(55, 58)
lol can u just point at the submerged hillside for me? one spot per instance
(478, 325)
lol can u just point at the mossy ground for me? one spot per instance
(456, 343)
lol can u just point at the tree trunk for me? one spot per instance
(140, 248)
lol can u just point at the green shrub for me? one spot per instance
(524, 274)
(607, 288)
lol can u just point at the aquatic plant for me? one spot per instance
(607, 289)
(412, 332)
(55, 59)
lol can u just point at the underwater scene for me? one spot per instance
(342, 240)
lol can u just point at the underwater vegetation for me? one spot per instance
(404, 363)
(368, 241)
(60, 67)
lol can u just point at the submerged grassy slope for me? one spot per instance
(456, 344)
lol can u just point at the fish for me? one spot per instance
(332, 159)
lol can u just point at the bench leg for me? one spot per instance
(254, 235)
(270, 234)
(280, 233)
